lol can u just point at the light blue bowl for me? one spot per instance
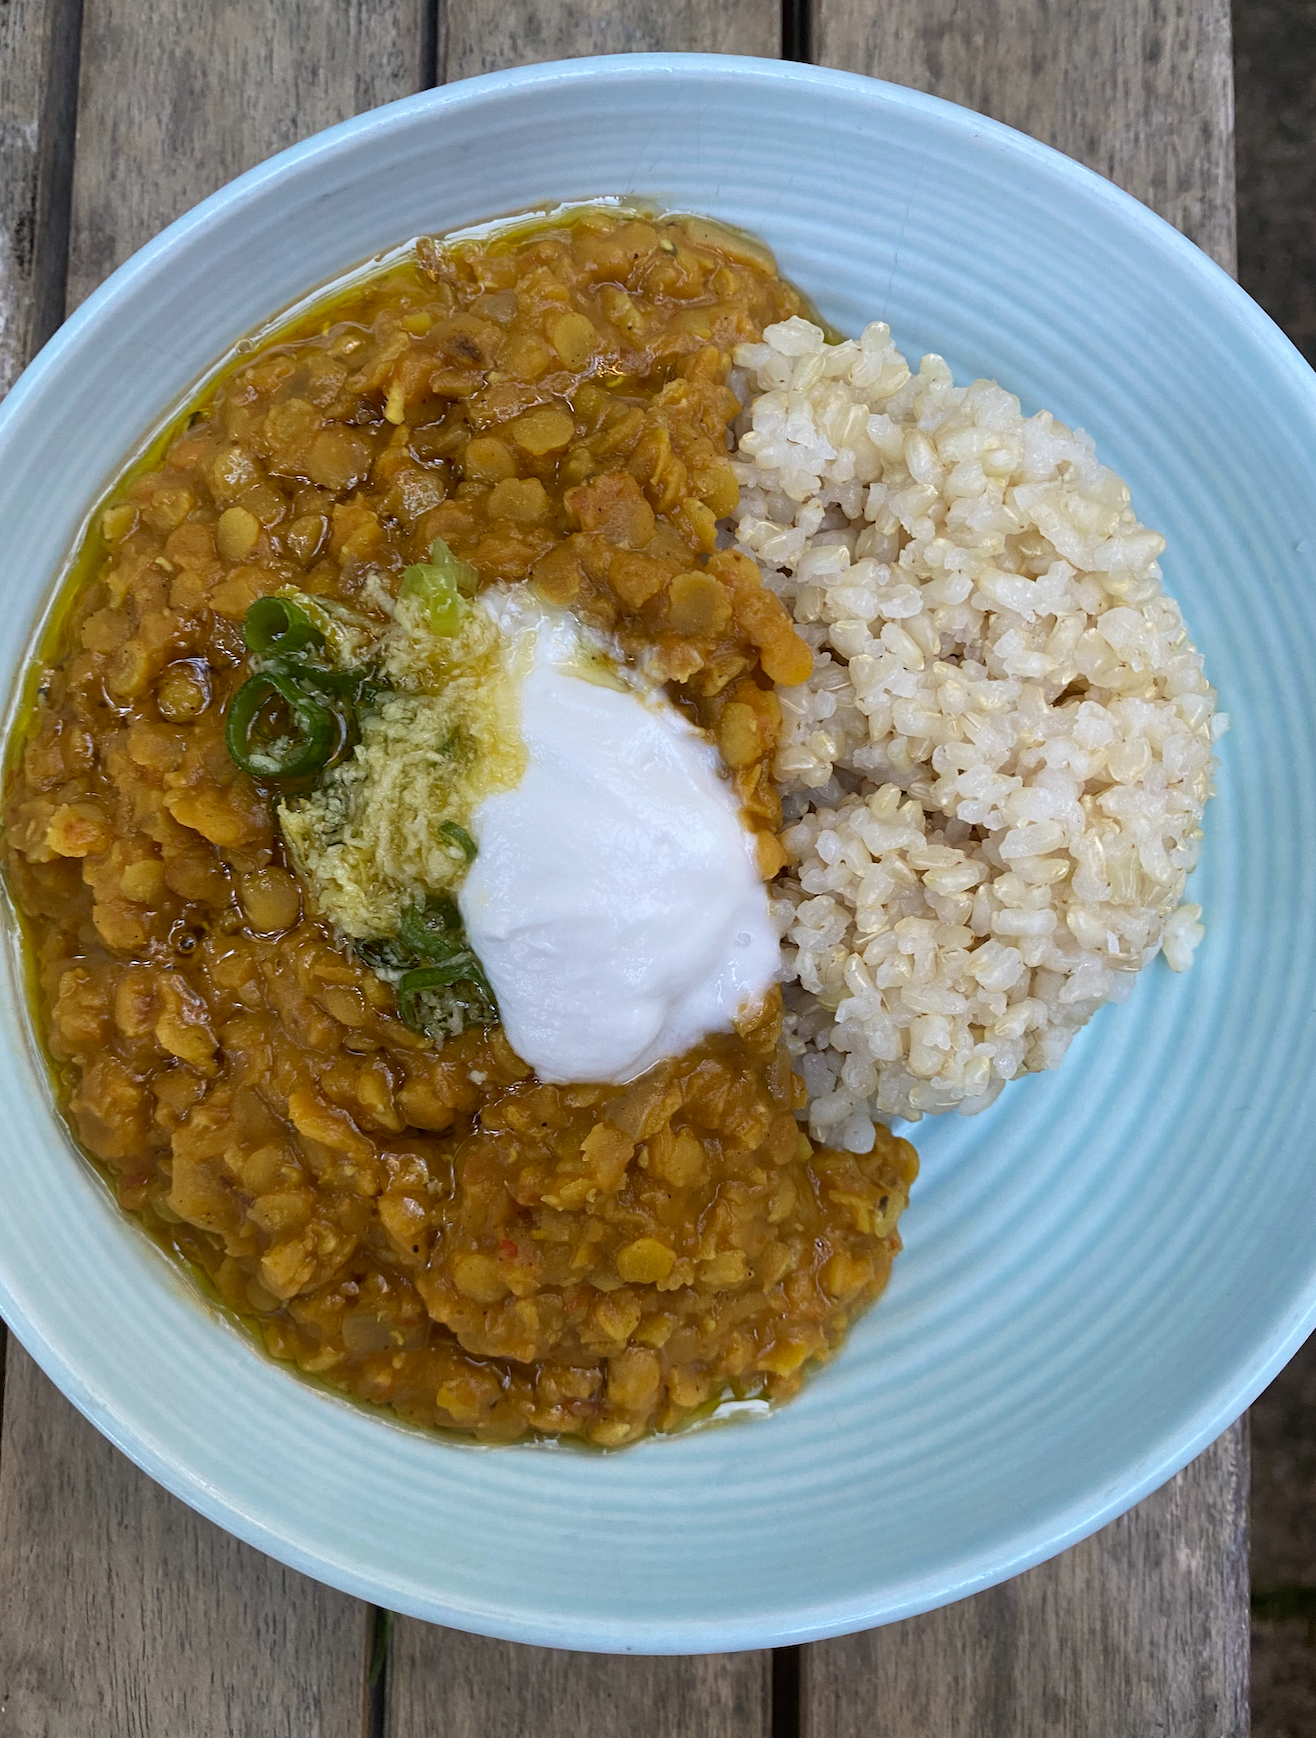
(1102, 1271)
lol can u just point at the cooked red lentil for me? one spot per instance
(429, 1227)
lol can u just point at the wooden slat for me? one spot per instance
(38, 94)
(38, 87)
(38, 84)
(483, 35)
(1144, 1628)
(1140, 90)
(125, 1613)
(442, 1684)
(446, 1685)
(121, 1612)
(1140, 1630)
(175, 99)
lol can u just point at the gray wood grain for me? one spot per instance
(38, 78)
(1140, 90)
(1140, 1632)
(175, 99)
(38, 82)
(124, 1615)
(446, 1685)
(38, 92)
(483, 35)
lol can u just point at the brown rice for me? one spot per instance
(994, 779)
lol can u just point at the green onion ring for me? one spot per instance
(459, 837)
(319, 729)
(275, 626)
(433, 931)
(359, 687)
(462, 968)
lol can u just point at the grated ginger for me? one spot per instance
(368, 843)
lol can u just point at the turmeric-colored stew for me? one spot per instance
(413, 1217)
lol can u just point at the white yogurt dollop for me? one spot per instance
(615, 901)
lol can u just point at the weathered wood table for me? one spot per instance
(124, 1615)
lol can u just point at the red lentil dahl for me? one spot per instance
(432, 1228)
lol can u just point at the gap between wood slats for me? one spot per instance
(796, 31)
(786, 1699)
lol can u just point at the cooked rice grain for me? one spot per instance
(995, 776)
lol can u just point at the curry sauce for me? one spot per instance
(428, 1226)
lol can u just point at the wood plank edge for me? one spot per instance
(55, 171)
(433, 31)
(797, 30)
(50, 217)
(785, 1689)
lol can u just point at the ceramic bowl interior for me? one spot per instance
(1102, 1270)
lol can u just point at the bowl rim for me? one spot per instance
(1060, 1529)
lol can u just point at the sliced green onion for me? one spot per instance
(440, 984)
(459, 837)
(433, 931)
(462, 966)
(442, 1000)
(359, 687)
(277, 627)
(466, 577)
(442, 584)
(277, 731)
(386, 955)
